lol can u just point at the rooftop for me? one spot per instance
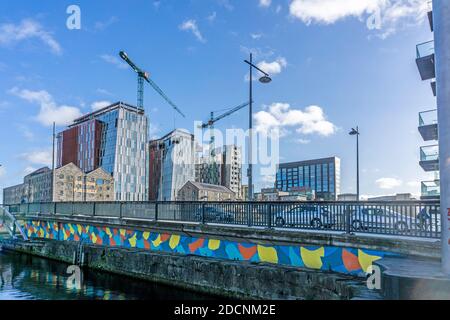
(210, 187)
(109, 108)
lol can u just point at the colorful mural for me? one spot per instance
(343, 260)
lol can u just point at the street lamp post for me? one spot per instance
(355, 132)
(264, 79)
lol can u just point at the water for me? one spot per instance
(25, 277)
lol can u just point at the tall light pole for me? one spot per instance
(355, 132)
(441, 27)
(264, 79)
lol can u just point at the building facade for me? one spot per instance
(115, 139)
(321, 177)
(172, 164)
(73, 185)
(16, 194)
(196, 191)
(39, 185)
(231, 173)
(428, 120)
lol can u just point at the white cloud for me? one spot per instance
(191, 25)
(26, 132)
(414, 184)
(49, 111)
(280, 116)
(226, 4)
(256, 36)
(27, 29)
(102, 25)
(274, 67)
(387, 14)
(265, 3)
(39, 157)
(388, 183)
(303, 141)
(114, 61)
(2, 171)
(97, 105)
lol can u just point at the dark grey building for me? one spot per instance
(322, 177)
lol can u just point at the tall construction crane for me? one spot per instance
(212, 152)
(143, 75)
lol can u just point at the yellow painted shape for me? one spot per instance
(157, 241)
(122, 232)
(108, 232)
(133, 241)
(71, 229)
(213, 244)
(94, 237)
(80, 228)
(312, 258)
(174, 241)
(366, 260)
(146, 235)
(267, 254)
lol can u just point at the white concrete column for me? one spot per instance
(441, 22)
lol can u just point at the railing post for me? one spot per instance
(28, 209)
(156, 211)
(203, 213)
(347, 220)
(120, 210)
(249, 214)
(54, 208)
(94, 208)
(269, 220)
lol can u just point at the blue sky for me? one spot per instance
(319, 53)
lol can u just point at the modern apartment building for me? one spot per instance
(321, 177)
(113, 138)
(428, 120)
(231, 171)
(227, 169)
(73, 185)
(171, 165)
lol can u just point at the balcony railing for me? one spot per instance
(431, 189)
(428, 125)
(428, 117)
(425, 60)
(425, 49)
(405, 218)
(429, 153)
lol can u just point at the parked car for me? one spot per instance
(214, 214)
(363, 218)
(309, 216)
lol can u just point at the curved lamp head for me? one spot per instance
(354, 132)
(265, 79)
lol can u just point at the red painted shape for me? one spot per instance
(247, 253)
(165, 237)
(112, 243)
(350, 260)
(76, 237)
(146, 244)
(196, 244)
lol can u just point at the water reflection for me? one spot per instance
(26, 277)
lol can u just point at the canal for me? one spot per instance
(25, 277)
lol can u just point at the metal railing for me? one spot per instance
(405, 218)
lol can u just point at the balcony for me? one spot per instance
(431, 190)
(425, 60)
(429, 158)
(428, 125)
(433, 87)
(430, 14)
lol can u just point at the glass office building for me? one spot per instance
(113, 138)
(320, 176)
